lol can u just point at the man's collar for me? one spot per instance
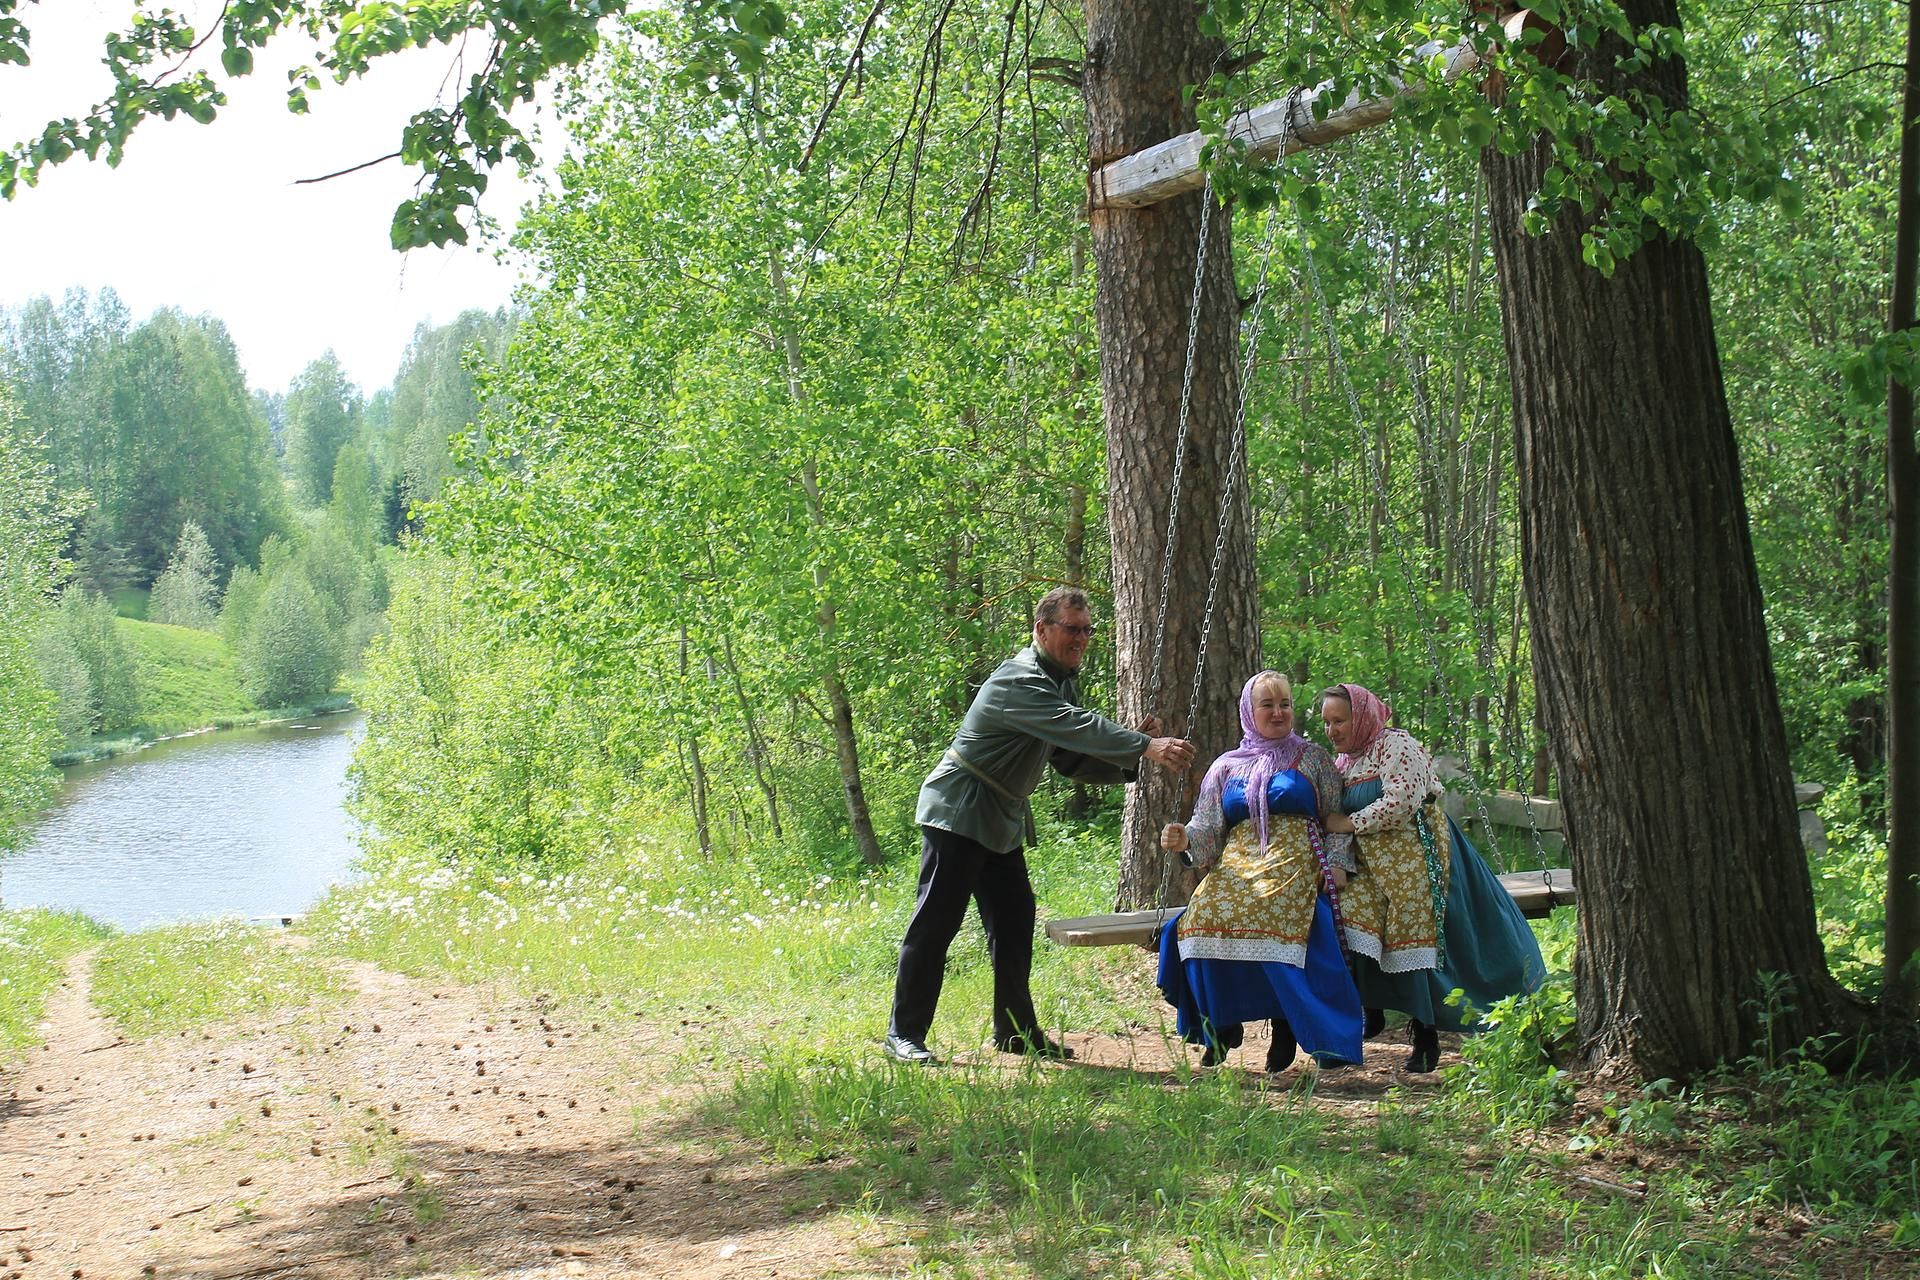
(1052, 668)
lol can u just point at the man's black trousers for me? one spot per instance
(954, 869)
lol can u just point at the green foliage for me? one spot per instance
(480, 750)
(435, 399)
(1846, 1144)
(323, 417)
(83, 635)
(150, 426)
(34, 946)
(187, 592)
(61, 672)
(242, 600)
(723, 530)
(1518, 1072)
(453, 144)
(30, 529)
(352, 514)
(1849, 887)
(186, 976)
(290, 652)
(101, 565)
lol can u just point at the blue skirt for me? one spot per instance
(1319, 1001)
(1490, 953)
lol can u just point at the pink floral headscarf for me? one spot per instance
(1370, 718)
(1256, 759)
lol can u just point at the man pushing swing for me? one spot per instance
(974, 818)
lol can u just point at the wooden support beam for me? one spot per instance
(1171, 168)
(1277, 129)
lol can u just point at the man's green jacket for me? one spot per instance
(1026, 716)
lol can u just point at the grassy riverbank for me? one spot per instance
(188, 682)
(778, 986)
(34, 947)
(187, 677)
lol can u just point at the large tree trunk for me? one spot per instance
(1649, 646)
(1902, 983)
(1141, 56)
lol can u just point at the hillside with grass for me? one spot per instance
(187, 678)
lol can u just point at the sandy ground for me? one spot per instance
(428, 1129)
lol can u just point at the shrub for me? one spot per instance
(85, 636)
(479, 748)
(289, 654)
(187, 592)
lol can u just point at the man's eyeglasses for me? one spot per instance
(1079, 633)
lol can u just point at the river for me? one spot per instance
(243, 822)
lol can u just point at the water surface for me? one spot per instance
(245, 822)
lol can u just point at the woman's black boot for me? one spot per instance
(1426, 1048)
(1373, 1022)
(1219, 1041)
(1280, 1052)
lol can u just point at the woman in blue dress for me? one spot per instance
(1260, 938)
(1425, 916)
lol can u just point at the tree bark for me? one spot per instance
(757, 753)
(1649, 645)
(696, 767)
(1901, 985)
(1141, 56)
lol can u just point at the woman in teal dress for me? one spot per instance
(1425, 915)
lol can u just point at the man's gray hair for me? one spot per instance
(1048, 610)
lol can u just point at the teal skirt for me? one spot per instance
(1490, 952)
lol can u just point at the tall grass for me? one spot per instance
(182, 976)
(1080, 1172)
(34, 947)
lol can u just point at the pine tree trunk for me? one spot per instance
(1141, 56)
(1649, 646)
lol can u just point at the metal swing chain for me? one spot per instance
(1380, 493)
(1236, 448)
(1425, 434)
(1186, 412)
(1180, 441)
(1229, 494)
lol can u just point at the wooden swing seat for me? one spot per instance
(1536, 893)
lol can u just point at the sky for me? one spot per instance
(208, 219)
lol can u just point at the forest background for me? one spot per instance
(805, 414)
(672, 582)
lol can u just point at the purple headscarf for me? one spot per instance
(1256, 759)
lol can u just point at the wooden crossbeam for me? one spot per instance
(1171, 168)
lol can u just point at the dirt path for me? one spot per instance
(420, 1130)
(423, 1129)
